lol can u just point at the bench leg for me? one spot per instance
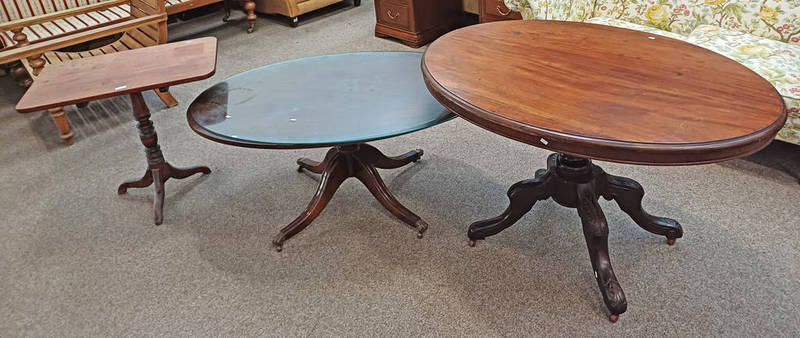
(61, 122)
(166, 97)
(250, 7)
(20, 74)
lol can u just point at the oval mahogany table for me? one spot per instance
(588, 92)
(341, 100)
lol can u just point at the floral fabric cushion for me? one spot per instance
(775, 61)
(791, 130)
(633, 26)
(774, 19)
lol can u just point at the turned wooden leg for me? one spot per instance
(250, 7)
(18, 71)
(61, 122)
(522, 196)
(37, 63)
(159, 171)
(595, 230)
(333, 176)
(20, 74)
(628, 194)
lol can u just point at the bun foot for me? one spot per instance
(472, 243)
(613, 318)
(670, 241)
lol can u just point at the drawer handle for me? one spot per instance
(389, 13)
(500, 10)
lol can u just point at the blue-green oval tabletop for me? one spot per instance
(319, 101)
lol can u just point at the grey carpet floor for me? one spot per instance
(78, 260)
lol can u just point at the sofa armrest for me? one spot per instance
(38, 48)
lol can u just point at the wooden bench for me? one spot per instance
(33, 32)
(146, 25)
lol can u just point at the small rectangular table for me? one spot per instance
(128, 73)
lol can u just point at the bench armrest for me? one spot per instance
(37, 48)
(22, 23)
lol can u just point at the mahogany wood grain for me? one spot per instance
(603, 92)
(133, 71)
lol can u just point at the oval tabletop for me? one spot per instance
(319, 101)
(603, 92)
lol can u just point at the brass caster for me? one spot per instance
(670, 241)
(251, 29)
(278, 241)
(472, 243)
(419, 157)
(421, 227)
(613, 318)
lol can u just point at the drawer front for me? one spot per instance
(496, 10)
(394, 14)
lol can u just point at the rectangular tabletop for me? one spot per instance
(121, 73)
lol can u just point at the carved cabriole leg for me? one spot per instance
(522, 196)
(595, 230)
(250, 7)
(340, 163)
(628, 194)
(158, 170)
(61, 122)
(575, 182)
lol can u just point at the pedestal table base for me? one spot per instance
(360, 161)
(575, 182)
(158, 169)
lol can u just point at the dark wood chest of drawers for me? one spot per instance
(416, 22)
(496, 10)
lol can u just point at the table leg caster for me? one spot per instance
(670, 241)
(472, 243)
(278, 240)
(421, 227)
(613, 318)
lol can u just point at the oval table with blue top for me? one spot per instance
(340, 101)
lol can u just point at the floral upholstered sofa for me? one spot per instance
(763, 35)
